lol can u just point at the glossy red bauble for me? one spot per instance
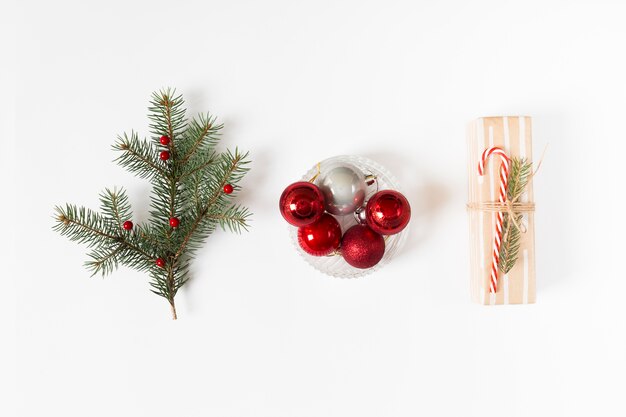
(301, 204)
(228, 189)
(128, 225)
(160, 262)
(174, 222)
(320, 238)
(388, 212)
(165, 140)
(362, 247)
(164, 155)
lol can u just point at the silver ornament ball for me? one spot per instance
(344, 188)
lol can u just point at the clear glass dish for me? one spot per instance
(334, 265)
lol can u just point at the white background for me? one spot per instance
(260, 332)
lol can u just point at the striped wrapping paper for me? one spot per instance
(513, 134)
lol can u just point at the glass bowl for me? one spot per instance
(334, 265)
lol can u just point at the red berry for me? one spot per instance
(165, 140)
(228, 188)
(160, 262)
(164, 155)
(174, 222)
(128, 225)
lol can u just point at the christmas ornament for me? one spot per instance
(362, 247)
(228, 189)
(344, 188)
(341, 181)
(320, 238)
(301, 204)
(191, 184)
(388, 212)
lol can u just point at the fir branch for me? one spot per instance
(114, 204)
(519, 175)
(167, 114)
(85, 226)
(234, 218)
(232, 170)
(509, 250)
(104, 260)
(201, 133)
(189, 185)
(138, 157)
(197, 165)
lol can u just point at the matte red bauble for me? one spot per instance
(320, 238)
(362, 247)
(388, 212)
(301, 204)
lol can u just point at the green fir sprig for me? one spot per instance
(188, 184)
(519, 174)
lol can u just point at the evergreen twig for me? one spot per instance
(188, 186)
(519, 175)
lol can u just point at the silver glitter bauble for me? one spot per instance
(344, 188)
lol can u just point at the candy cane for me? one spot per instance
(504, 178)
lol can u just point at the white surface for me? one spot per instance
(260, 332)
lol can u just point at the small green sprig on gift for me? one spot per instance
(193, 187)
(519, 174)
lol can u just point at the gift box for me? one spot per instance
(501, 210)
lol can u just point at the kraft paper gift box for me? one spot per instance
(513, 135)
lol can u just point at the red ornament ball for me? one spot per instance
(362, 247)
(320, 238)
(164, 155)
(301, 204)
(160, 262)
(228, 189)
(174, 222)
(388, 212)
(128, 225)
(165, 140)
